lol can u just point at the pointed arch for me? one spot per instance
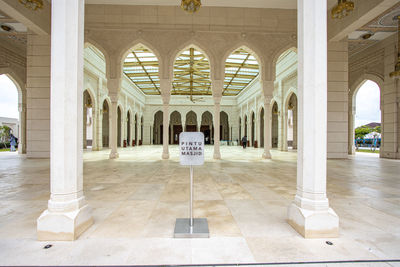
(277, 55)
(253, 50)
(194, 75)
(99, 49)
(141, 64)
(187, 45)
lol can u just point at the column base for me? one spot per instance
(114, 155)
(165, 155)
(217, 155)
(63, 226)
(266, 155)
(312, 223)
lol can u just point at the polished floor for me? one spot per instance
(136, 199)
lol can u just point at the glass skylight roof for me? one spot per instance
(241, 68)
(191, 74)
(141, 66)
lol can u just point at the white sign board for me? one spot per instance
(191, 148)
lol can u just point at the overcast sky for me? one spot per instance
(8, 98)
(367, 103)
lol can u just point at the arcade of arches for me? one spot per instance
(138, 76)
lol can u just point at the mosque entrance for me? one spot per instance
(191, 128)
(176, 131)
(205, 129)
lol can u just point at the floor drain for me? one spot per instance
(47, 246)
(329, 243)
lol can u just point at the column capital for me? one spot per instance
(113, 85)
(113, 97)
(267, 87)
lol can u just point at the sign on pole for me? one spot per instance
(191, 153)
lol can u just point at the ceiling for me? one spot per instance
(284, 4)
(377, 30)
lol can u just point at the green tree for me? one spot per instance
(377, 129)
(360, 132)
(4, 135)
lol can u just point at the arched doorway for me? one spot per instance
(12, 121)
(224, 126)
(240, 130)
(262, 127)
(88, 120)
(207, 127)
(274, 126)
(158, 128)
(245, 129)
(291, 123)
(119, 125)
(128, 128)
(105, 124)
(136, 141)
(366, 120)
(141, 131)
(191, 122)
(175, 127)
(253, 138)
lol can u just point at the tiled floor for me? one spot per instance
(136, 199)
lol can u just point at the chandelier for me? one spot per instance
(32, 4)
(396, 72)
(191, 6)
(342, 9)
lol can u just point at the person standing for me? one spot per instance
(244, 141)
(13, 143)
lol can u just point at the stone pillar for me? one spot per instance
(183, 124)
(114, 121)
(309, 213)
(198, 124)
(99, 117)
(67, 215)
(165, 154)
(22, 129)
(351, 133)
(84, 124)
(217, 113)
(268, 87)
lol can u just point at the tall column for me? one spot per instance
(99, 116)
(165, 154)
(94, 126)
(67, 215)
(114, 120)
(139, 128)
(268, 89)
(22, 129)
(351, 133)
(84, 124)
(165, 85)
(310, 213)
(183, 124)
(198, 124)
(217, 113)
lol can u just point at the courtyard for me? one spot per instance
(137, 197)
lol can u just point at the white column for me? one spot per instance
(165, 154)
(183, 124)
(67, 215)
(217, 113)
(139, 128)
(114, 121)
(198, 124)
(310, 213)
(22, 129)
(268, 88)
(352, 115)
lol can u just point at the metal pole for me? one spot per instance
(191, 199)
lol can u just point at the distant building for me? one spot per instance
(12, 123)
